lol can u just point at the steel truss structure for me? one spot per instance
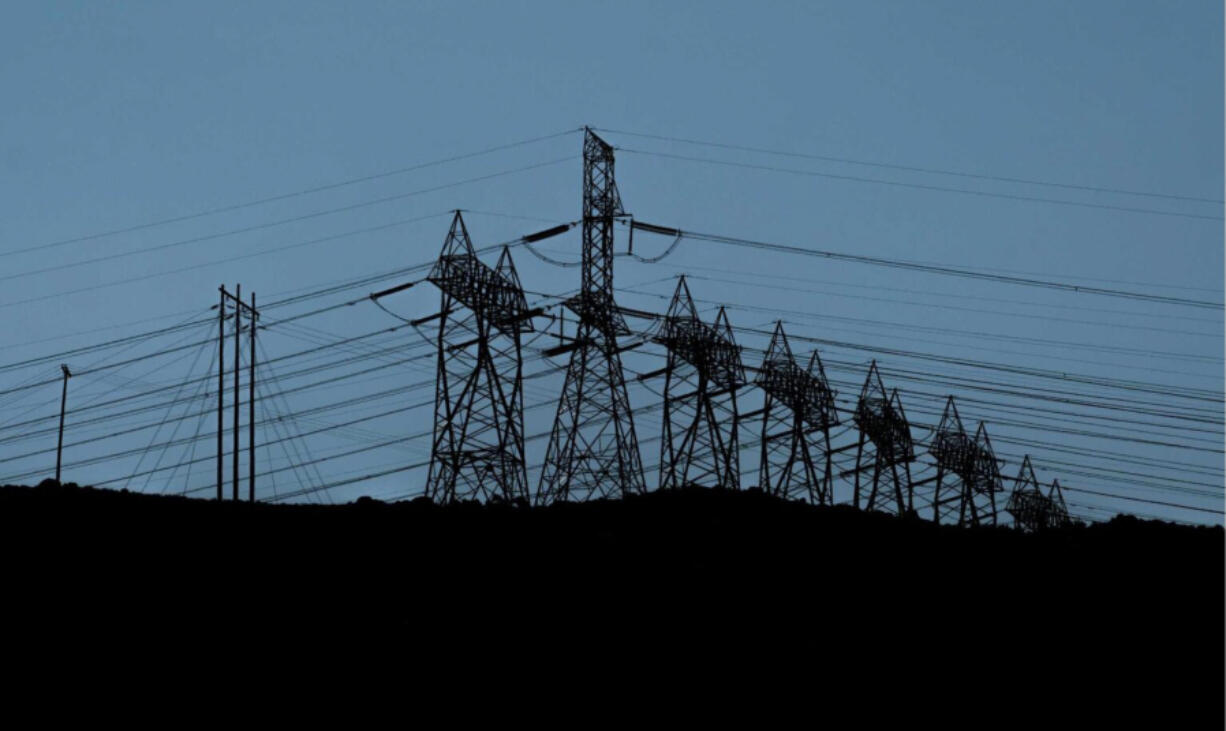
(1031, 509)
(478, 450)
(798, 404)
(699, 445)
(593, 451)
(973, 462)
(883, 426)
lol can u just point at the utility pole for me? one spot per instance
(251, 408)
(59, 448)
(238, 321)
(252, 317)
(221, 385)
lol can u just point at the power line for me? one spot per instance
(922, 186)
(168, 387)
(312, 292)
(911, 168)
(1121, 384)
(938, 293)
(280, 222)
(931, 269)
(980, 310)
(279, 419)
(286, 196)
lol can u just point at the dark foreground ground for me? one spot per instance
(1124, 615)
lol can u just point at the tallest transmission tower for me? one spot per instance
(593, 451)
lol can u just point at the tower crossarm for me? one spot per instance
(886, 428)
(598, 309)
(483, 290)
(1030, 509)
(986, 477)
(955, 452)
(800, 391)
(703, 347)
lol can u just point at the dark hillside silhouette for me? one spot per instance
(1124, 604)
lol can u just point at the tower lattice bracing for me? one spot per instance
(884, 430)
(593, 451)
(798, 405)
(478, 450)
(1030, 508)
(973, 463)
(699, 444)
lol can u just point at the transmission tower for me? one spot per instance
(699, 444)
(1031, 509)
(1060, 516)
(593, 451)
(883, 426)
(478, 450)
(973, 462)
(798, 404)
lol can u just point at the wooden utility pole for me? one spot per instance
(240, 308)
(59, 447)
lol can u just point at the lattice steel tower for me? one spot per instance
(593, 451)
(883, 426)
(699, 444)
(974, 463)
(786, 467)
(1059, 510)
(478, 450)
(1030, 508)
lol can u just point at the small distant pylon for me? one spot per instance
(699, 444)
(1060, 514)
(1032, 510)
(883, 426)
(973, 462)
(478, 449)
(798, 404)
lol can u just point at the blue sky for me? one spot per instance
(120, 115)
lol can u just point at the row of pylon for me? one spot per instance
(478, 440)
(478, 447)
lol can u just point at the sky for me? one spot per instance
(120, 116)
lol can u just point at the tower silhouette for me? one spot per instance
(699, 444)
(593, 451)
(883, 426)
(798, 404)
(973, 462)
(1030, 508)
(478, 450)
